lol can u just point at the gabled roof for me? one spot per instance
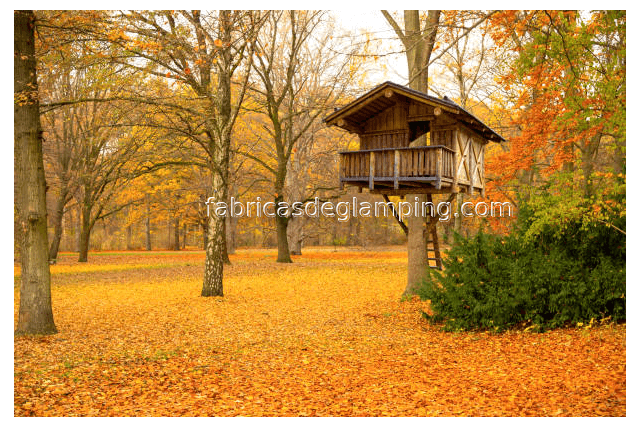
(375, 101)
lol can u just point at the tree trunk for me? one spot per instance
(176, 234)
(78, 227)
(620, 157)
(129, 237)
(35, 315)
(416, 248)
(225, 251)
(457, 219)
(85, 234)
(215, 247)
(295, 235)
(147, 226)
(219, 149)
(230, 230)
(205, 235)
(86, 226)
(334, 233)
(184, 236)
(351, 233)
(419, 45)
(589, 151)
(281, 229)
(57, 227)
(283, 242)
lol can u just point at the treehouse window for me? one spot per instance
(417, 129)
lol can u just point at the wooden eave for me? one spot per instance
(351, 116)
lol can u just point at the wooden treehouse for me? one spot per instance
(412, 143)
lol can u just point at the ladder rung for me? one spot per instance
(434, 259)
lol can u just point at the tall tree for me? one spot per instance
(299, 77)
(61, 149)
(418, 39)
(209, 55)
(35, 314)
(569, 74)
(470, 64)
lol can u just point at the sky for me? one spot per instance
(391, 67)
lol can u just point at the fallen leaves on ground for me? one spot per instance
(326, 335)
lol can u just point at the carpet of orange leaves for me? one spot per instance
(327, 335)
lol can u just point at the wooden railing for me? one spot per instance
(422, 164)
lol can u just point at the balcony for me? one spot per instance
(399, 170)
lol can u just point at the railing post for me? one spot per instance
(472, 166)
(438, 168)
(456, 159)
(372, 168)
(481, 171)
(396, 168)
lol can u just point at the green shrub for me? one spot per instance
(496, 282)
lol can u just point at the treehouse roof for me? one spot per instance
(387, 94)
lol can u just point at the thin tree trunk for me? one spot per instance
(35, 315)
(78, 227)
(282, 221)
(85, 230)
(457, 219)
(57, 227)
(619, 156)
(590, 148)
(205, 235)
(230, 231)
(225, 251)
(85, 234)
(334, 233)
(129, 237)
(147, 225)
(351, 233)
(176, 233)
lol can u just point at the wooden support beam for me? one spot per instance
(472, 165)
(395, 215)
(456, 161)
(482, 181)
(372, 168)
(405, 191)
(396, 168)
(439, 169)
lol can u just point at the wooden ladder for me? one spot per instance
(433, 245)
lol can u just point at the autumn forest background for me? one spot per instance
(131, 300)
